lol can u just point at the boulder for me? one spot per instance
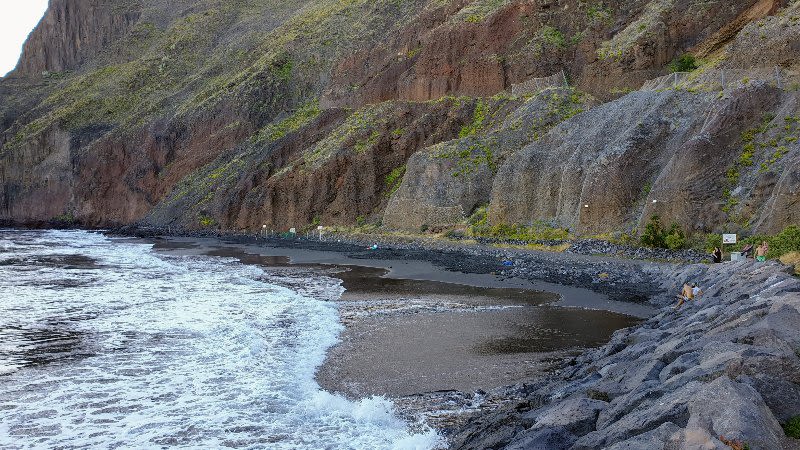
(661, 438)
(648, 415)
(549, 438)
(781, 396)
(576, 415)
(736, 411)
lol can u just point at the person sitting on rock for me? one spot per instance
(716, 255)
(696, 291)
(689, 292)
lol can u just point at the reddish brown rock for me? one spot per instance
(333, 171)
(197, 163)
(72, 32)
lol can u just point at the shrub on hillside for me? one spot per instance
(787, 240)
(684, 63)
(675, 239)
(538, 231)
(655, 235)
(707, 242)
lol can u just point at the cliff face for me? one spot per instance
(73, 32)
(237, 114)
(666, 153)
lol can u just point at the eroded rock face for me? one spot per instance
(72, 32)
(602, 159)
(333, 171)
(98, 178)
(148, 105)
(445, 183)
(648, 153)
(41, 192)
(462, 49)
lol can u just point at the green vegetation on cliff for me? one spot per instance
(476, 11)
(394, 179)
(684, 63)
(225, 52)
(656, 235)
(479, 226)
(238, 105)
(300, 118)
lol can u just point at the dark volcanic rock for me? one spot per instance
(577, 415)
(550, 438)
(725, 365)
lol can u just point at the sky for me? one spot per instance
(17, 20)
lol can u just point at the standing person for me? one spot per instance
(717, 255)
(761, 252)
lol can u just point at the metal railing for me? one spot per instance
(721, 79)
(535, 85)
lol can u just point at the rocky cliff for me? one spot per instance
(73, 32)
(239, 113)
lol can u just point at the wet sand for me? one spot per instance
(412, 327)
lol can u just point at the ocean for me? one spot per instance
(106, 343)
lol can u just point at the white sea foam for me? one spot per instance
(147, 350)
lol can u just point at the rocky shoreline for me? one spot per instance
(617, 274)
(724, 367)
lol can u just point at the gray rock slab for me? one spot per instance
(782, 397)
(576, 415)
(736, 411)
(551, 438)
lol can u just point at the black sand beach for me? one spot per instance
(413, 327)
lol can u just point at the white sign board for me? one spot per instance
(728, 238)
(320, 228)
